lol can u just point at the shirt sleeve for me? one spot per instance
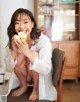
(42, 64)
(9, 62)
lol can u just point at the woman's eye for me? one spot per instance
(26, 22)
(17, 23)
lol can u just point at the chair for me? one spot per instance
(58, 60)
(57, 75)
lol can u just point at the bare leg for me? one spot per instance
(34, 95)
(22, 77)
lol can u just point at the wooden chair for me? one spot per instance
(58, 61)
(57, 75)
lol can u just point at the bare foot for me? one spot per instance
(34, 96)
(19, 91)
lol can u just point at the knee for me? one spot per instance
(35, 53)
(16, 68)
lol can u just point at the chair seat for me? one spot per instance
(24, 97)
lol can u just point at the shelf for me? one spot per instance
(59, 14)
(59, 18)
(56, 3)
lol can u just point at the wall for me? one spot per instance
(7, 7)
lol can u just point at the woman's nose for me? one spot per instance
(21, 25)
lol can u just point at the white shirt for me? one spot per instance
(42, 65)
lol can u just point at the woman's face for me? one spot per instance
(24, 24)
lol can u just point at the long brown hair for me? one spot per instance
(35, 33)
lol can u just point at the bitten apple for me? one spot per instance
(22, 35)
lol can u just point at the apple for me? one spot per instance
(22, 35)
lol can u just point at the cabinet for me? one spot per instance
(72, 53)
(72, 64)
(60, 19)
(79, 62)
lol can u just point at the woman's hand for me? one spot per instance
(23, 46)
(14, 46)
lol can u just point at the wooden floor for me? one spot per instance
(70, 92)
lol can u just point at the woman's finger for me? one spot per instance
(18, 43)
(21, 44)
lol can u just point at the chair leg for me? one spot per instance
(59, 97)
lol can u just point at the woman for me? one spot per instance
(34, 61)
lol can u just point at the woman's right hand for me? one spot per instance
(14, 46)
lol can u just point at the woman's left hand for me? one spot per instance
(23, 46)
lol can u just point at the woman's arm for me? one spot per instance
(41, 64)
(24, 48)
